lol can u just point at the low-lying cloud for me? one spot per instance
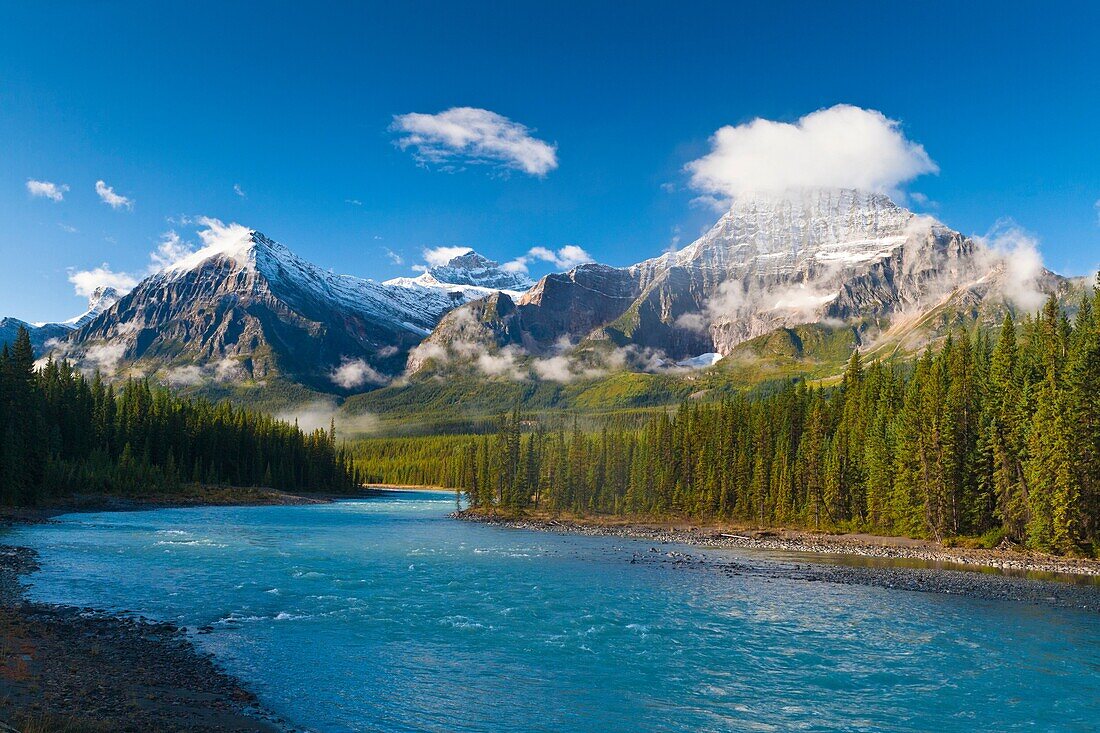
(321, 414)
(1016, 252)
(355, 373)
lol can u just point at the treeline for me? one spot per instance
(62, 433)
(985, 437)
(436, 460)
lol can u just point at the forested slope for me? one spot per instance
(986, 436)
(62, 433)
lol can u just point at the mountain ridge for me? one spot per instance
(769, 262)
(245, 308)
(246, 313)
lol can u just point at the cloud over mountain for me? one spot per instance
(565, 258)
(86, 282)
(839, 147)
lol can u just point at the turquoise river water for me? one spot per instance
(382, 614)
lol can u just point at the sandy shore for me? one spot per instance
(898, 563)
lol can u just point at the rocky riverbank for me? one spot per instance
(64, 668)
(189, 496)
(68, 669)
(849, 559)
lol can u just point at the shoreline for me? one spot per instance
(408, 487)
(843, 560)
(69, 668)
(147, 675)
(801, 541)
(198, 497)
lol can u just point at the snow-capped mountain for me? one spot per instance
(473, 270)
(836, 256)
(100, 300)
(246, 308)
(43, 334)
(40, 334)
(468, 275)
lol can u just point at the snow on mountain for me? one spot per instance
(100, 300)
(245, 307)
(838, 256)
(464, 278)
(473, 269)
(700, 362)
(44, 333)
(773, 234)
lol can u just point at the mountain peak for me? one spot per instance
(831, 225)
(100, 300)
(473, 269)
(814, 198)
(230, 241)
(104, 296)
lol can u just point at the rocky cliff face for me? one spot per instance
(769, 262)
(247, 308)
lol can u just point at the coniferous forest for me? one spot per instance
(64, 434)
(992, 436)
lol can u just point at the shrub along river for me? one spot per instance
(382, 614)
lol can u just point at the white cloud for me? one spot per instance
(104, 357)
(67, 228)
(1017, 253)
(112, 199)
(473, 135)
(803, 300)
(504, 363)
(839, 147)
(394, 257)
(353, 202)
(565, 258)
(239, 191)
(227, 369)
(319, 415)
(185, 376)
(169, 251)
(923, 201)
(45, 189)
(354, 373)
(439, 256)
(86, 281)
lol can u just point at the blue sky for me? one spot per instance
(171, 108)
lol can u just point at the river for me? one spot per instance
(382, 614)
